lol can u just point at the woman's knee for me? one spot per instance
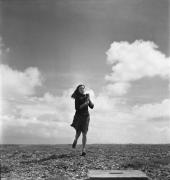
(84, 134)
(78, 133)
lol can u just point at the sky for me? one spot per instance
(119, 49)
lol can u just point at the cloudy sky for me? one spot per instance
(118, 48)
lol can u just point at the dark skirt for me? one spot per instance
(81, 122)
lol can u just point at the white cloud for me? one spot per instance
(38, 119)
(112, 121)
(33, 131)
(131, 62)
(21, 109)
(51, 114)
(118, 88)
(58, 108)
(47, 119)
(148, 111)
(120, 124)
(17, 84)
(16, 87)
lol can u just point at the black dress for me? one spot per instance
(82, 117)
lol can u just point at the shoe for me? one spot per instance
(74, 144)
(83, 153)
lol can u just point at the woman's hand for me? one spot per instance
(88, 101)
(88, 96)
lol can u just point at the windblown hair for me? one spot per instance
(76, 93)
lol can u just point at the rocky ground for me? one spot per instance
(23, 162)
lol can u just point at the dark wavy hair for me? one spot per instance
(76, 93)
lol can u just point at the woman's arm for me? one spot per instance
(91, 105)
(78, 106)
(84, 104)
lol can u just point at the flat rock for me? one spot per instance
(117, 175)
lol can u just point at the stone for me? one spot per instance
(117, 175)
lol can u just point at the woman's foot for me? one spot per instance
(74, 144)
(83, 152)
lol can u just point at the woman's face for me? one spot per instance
(82, 89)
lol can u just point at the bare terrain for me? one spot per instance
(52, 161)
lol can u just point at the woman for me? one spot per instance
(82, 116)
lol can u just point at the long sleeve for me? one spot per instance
(91, 105)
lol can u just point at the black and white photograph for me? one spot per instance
(85, 89)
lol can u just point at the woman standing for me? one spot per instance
(82, 117)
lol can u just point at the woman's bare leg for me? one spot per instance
(76, 138)
(77, 135)
(84, 140)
